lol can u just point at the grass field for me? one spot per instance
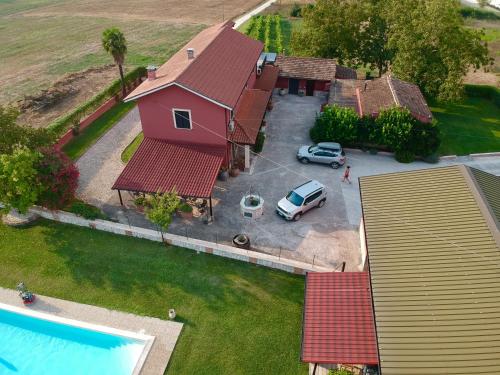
(80, 144)
(469, 127)
(41, 40)
(238, 318)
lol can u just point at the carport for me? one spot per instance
(159, 166)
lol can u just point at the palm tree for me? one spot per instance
(115, 44)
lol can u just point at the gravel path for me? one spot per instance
(101, 165)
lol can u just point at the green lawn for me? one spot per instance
(238, 318)
(78, 145)
(132, 147)
(469, 127)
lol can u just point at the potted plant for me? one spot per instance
(75, 128)
(282, 92)
(235, 172)
(223, 174)
(140, 201)
(185, 210)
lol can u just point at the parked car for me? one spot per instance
(301, 199)
(330, 153)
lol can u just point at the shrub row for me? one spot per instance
(63, 123)
(484, 91)
(259, 142)
(262, 27)
(394, 129)
(267, 32)
(478, 13)
(278, 43)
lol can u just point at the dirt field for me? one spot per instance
(41, 41)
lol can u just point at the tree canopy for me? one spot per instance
(14, 135)
(421, 41)
(113, 42)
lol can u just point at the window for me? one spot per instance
(182, 118)
(313, 197)
(295, 199)
(324, 153)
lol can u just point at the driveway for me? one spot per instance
(101, 165)
(326, 236)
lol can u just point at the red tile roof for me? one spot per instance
(267, 80)
(249, 116)
(338, 322)
(313, 68)
(224, 59)
(388, 91)
(160, 166)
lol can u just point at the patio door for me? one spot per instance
(293, 86)
(309, 87)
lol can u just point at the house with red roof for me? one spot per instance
(200, 111)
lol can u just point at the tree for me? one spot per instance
(483, 3)
(337, 124)
(14, 135)
(113, 42)
(59, 178)
(432, 47)
(161, 207)
(353, 32)
(19, 184)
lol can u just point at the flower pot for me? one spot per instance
(223, 175)
(235, 172)
(242, 241)
(186, 215)
(282, 92)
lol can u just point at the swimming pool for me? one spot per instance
(35, 343)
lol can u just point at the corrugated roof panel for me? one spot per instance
(435, 273)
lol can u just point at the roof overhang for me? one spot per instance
(159, 166)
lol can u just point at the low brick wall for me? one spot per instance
(105, 107)
(226, 251)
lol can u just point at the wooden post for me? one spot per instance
(211, 211)
(120, 195)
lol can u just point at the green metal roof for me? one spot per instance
(434, 259)
(489, 184)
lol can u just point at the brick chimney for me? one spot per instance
(190, 53)
(151, 72)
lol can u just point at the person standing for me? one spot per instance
(347, 173)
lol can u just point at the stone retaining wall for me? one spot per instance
(226, 251)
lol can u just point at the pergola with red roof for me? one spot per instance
(338, 326)
(159, 166)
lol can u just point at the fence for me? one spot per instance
(226, 251)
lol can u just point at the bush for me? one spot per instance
(259, 142)
(394, 128)
(484, 91)
(184, 207)
(267, 33)
(63, 123)
(404, 156)
(337, 124)
(296, 10)
(59, 178)
(278, 43)
(86, 211)
(478, 13)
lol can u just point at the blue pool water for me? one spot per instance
(35, 346)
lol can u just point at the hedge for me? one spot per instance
(394, 129)
(478, 13)
(63, 123)
(484, 91)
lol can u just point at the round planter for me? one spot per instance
(186, 215)
(235, 172)
(282, 92)
(242, 241)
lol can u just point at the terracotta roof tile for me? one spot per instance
(312, 68)
(267, 80)
(249, 116)
(338, 322)
(224, 59)
(160, 166)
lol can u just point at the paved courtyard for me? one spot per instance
(325, 236)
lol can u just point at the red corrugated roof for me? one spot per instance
(338, 319)
(224, 60)
(160, 166)
(249, 115)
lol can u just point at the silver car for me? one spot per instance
(330, 153)
(302, 199)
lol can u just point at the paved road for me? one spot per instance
(101, 165)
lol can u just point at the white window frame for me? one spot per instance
(190, 118)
